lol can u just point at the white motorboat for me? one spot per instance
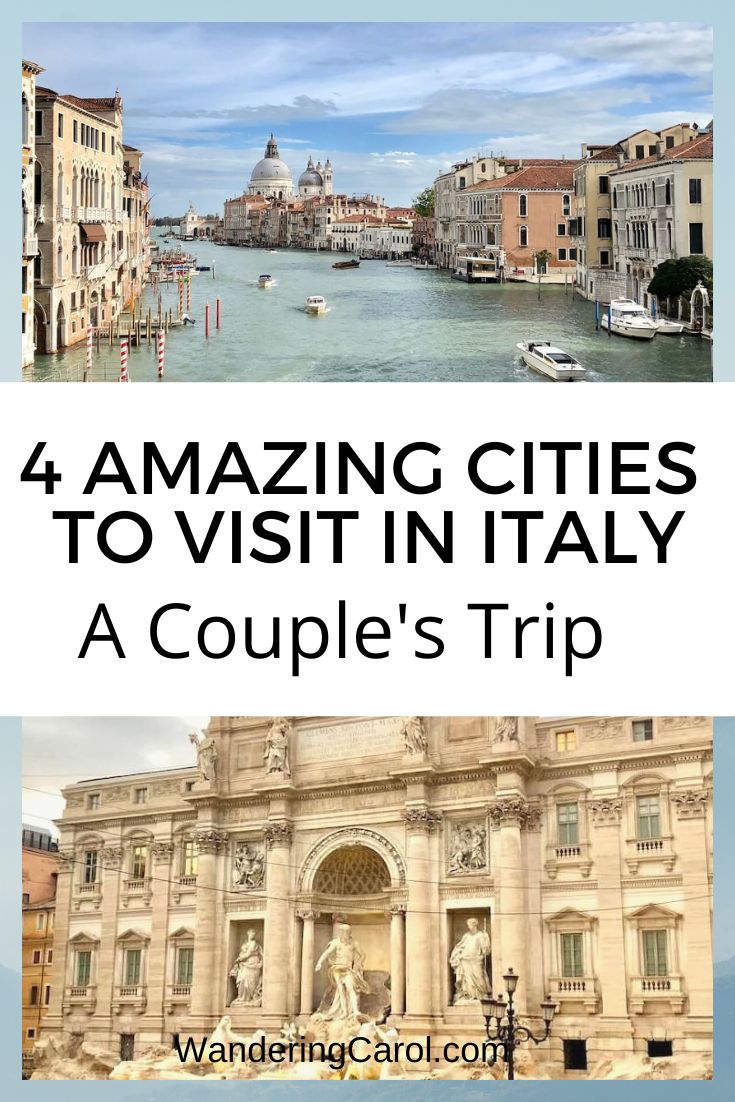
(400, 264)
(265, 281)
(626, 318)
(425, 267)
(316, 304)
(668, 328)
(547, 359)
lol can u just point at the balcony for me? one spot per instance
(137, 891)
(571, 855)
(63, 214)
(95, 271)
(185, 885)
(30, 245)
(87, 893)
(645, 850)
(657, 994)
(129, 997)
(177, 995)
(574, 993)
(80, 998)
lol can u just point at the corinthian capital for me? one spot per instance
(278, 834)
(607, 810)
(421, 818)
(514, 811)
(211, 840)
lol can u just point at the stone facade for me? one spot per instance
(33, 211)
(581, 846)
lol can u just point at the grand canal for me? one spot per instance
(384, 324)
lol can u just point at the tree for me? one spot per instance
(423, 204)
(677, 278)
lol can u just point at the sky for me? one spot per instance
(392, 105)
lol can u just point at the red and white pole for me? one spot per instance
(124, 349)
(88, 361)
(206, 320)
(181, 295)
(161, 350)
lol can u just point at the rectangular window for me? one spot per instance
(83, 968)
(604, 258)
(49, 956)
(572, 959)
(47, 995)
(573, 254)
(604, 227)
(696, 238)
(39, 123)
(138, 863)
(649, 817)
(26, 898)
(90, 866)
(93, 801)
(75, 130)
(669, 141)
(132, 968)
(36, 956)
(185, 967)
(604, 185)
(31, 1033)
(695, 191)
(61, 126)
(34, 994)
(190, 861)
(562, 254)
(642, 730)
(567, 821)
(652, 151)
(112, 143)
(140, 795)
(655, 956)
(640, 152)
(40, 921)
(104, 137)
(565, 740)
(561, 229)
(575, 1055)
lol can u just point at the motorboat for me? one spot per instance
(347, 264)
(668, 328)
(424, 266)
(400, 264)
(316, 304)
(547, 359)
(265, 281)
(628, 319)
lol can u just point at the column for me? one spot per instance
(397, 958)
(420, 823)
(53, 1022)
(507, 815)
(160, 873)
(692, 848)
(276, 949)
(210, 841)
(112, 872)
(307, 961)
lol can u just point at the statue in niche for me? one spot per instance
(248, 866)
(414, 738)
(346, 962)
(206, 749)
(506, 729)
(276, 747)
(467, 849)
(247, 972)
(467, 959)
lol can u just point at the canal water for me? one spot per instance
(383, 324)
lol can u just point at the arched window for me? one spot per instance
(668, 235)
(668, 192)
(25, 120)
(653, 193)
(37, 184)
(523, 236)
(59, 260)
(523, 206)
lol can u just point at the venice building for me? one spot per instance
(271, 177)
(581, 846)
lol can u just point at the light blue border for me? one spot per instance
(258, 1091)
(381, 10)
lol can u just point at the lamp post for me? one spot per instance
(507, 1029)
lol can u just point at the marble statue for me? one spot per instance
(412, 729)
(206, 748)
(468, 962)
(506, 729)
(467, 849)
(346, 973)
(247, 972)
(276, 747)
(248, 866)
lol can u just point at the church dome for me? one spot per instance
(311, 177)
(271, 171)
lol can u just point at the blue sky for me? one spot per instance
(391, 104)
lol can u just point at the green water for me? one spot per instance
(384, 324)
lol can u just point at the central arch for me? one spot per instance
(331, 860)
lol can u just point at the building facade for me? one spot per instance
(580, 846)
(40, 865)
(32, 212)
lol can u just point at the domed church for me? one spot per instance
(272, 178)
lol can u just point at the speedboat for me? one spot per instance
(547, 359)
(425, 267)
(265, 281)
(400, 264)
(626, 318)
(347, 264)
(315, 304)
(668, 328)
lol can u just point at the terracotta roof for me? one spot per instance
(608, 153)
(368, 219)
(698, 149)
(104, 103)
(557, 176)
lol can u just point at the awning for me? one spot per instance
(93, 231)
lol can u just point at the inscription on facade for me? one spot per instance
(358, 739)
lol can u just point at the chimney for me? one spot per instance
(660, 148)
(584, 150)
(621, 159)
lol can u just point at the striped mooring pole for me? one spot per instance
(181, 295)
(188, 292)
(88, 360)
(161, 351)
(124, 349)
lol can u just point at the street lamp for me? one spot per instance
(506, 1029)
